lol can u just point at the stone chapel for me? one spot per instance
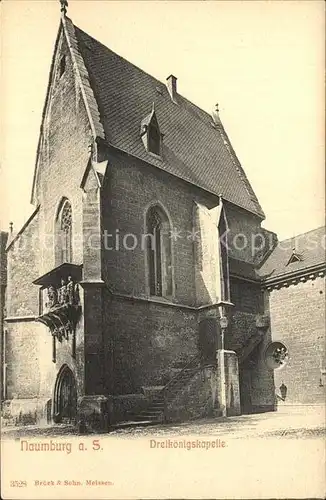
(139, 288)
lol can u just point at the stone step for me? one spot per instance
(152, 411)
(134, 423)
(147, 418)
(149, 412)
(155, 409)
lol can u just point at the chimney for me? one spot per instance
(171, 83)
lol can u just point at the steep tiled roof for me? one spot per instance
(193, 149)
(82, 76)
(309, 246)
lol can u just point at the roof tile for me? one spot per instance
(310, 246)
(193, 149)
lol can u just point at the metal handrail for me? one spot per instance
(173, 379)
(178, 375)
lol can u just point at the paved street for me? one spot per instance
(296, 422)
(302, 422)
(271, 455)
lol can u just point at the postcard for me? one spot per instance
(162, 250)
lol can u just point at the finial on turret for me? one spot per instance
(11, 227)
(216, 115)
(64, 5)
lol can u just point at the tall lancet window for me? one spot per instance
(64, 233)
(159, 255)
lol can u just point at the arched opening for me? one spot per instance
(159, 255)
(65, 397)
(64, 233)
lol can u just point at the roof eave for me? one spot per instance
(261, 216)
(273, 280)
(29, 220)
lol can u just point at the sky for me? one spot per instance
(262, 61)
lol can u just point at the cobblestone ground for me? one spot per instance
(273, 455)
(296, 422)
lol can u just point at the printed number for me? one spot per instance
(18, 484)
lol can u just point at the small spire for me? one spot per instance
(153, 107)
(216, 115)
(64, 5)
(11, 227)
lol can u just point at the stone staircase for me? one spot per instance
(250, 345)
(155, 411)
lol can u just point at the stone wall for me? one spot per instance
(198, 399)
(62, 161)
(63, 157)
(201, 396)
(22, 338)
(247, 240)
(145, 342)
(298, 320)
(23, 360)
(23, 268)
(131, 188)
(247, 297)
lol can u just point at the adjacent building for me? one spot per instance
(294, 283)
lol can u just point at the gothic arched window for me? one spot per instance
(159, 255)
(64, 233)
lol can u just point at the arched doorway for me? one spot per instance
(65, 397)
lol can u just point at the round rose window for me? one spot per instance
(276, 355)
